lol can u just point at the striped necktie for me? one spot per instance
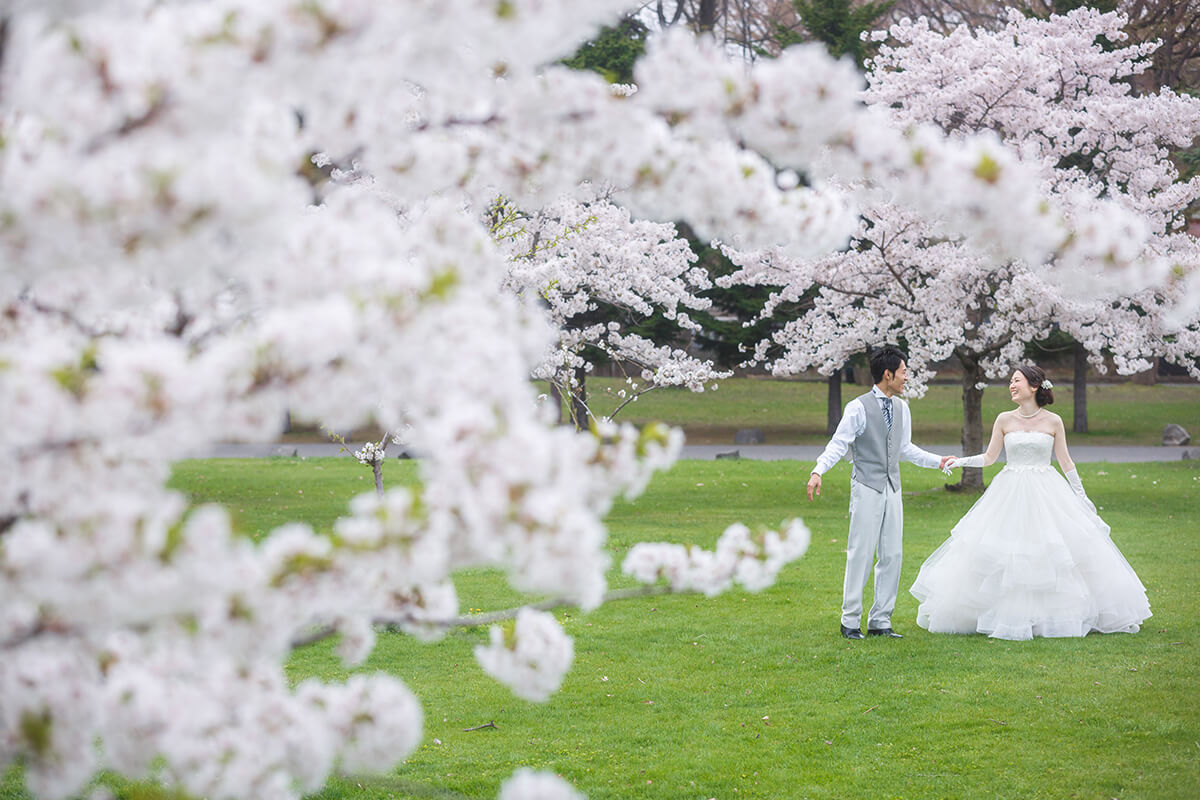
(887, 410)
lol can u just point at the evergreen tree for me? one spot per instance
(837, 23)
(613, 52)
(731, 328)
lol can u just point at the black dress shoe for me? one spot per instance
(851, 633)
(888, 632)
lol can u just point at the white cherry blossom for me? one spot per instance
(531, 658)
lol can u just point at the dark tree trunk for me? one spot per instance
(662, 17)
(706, 18)
(579, 413)
(1081, 367)
(972, 429)
(3, 38)
(835, 402)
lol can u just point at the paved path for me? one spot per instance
(1081, 453)
(758, 452)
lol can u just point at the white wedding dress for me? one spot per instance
(1029, 559)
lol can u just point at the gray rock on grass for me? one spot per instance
(1175, 435)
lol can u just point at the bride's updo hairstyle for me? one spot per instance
(1043, 393)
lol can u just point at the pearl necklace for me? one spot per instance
(1028, 416)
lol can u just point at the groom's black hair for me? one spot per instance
(884, 359)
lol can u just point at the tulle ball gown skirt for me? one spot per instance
(1029, 559)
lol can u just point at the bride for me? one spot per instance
(1031, 557)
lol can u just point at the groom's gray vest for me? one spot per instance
(876, 452)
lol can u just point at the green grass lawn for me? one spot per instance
(756, 695)
(794, 412)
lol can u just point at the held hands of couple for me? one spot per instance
(947, 463)
(954, 462)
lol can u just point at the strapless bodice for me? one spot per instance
(1028, 448)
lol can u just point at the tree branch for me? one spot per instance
(479, 620)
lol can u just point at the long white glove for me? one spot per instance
(971, 461)
(1077, 488)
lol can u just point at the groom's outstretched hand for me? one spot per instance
(947, 460)
(814, 483)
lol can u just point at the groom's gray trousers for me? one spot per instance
(876, 516)
(876, 531)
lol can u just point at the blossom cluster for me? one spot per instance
(370, 453)
(753, 561)
(526, 784)
(531, 658)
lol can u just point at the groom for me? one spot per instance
(877, 430)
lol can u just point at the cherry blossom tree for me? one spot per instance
(901, 283)
(1116, 156)
(168, 282)
(599, 273)
(1175, 25)
(1049, 89)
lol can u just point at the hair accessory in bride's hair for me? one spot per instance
(1046, 384)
